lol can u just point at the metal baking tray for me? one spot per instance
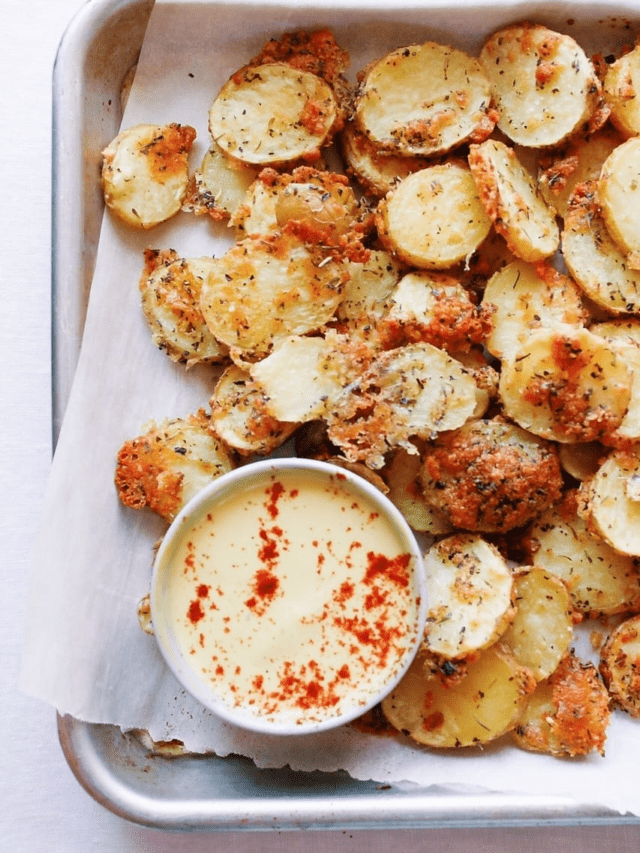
(140, 784)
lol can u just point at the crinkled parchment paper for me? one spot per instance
(84, 651)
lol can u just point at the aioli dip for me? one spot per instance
(290, 597)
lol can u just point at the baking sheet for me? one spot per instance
(87, 581)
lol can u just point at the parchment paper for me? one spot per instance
(84, 650)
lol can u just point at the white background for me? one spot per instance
(43, 808)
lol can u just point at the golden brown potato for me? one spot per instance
(620, 665)
(490, 476)
(145, 173)
(170, 291)
(568, 715)
(475, 709)
(167, 465)
(544, 85)
(470, 596)
(239, 416)
(542, 629)
(424, 100)
(433, 218)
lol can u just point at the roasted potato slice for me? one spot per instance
(619, 195)
(566, 384)
(434, 307)
(170, 290)
(415, 391)
(613, 501)
(239, 416)
(581, 461)
(490, 476)
(145, 172)
(478, 708)
(624, 335)
(544, 85)
(542, 629)
(273, 114)
(621, 89)
(377, 173)
(433, 218)
(601, 582)
(512, 201)
(402, 475)
(317, 206)
(525, 297)
(470, 595)
(263, 290)
(219, 186)
(568, 715)
(169, 463)
(303, 376)
(424, 100)
(593, 258)
(560, 171)
(620, 665)
(368, 292)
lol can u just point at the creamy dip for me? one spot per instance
(292, 596)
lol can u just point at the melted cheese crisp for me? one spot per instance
(292, 598)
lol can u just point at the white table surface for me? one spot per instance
(43, 806)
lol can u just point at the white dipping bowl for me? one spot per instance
(289, 596)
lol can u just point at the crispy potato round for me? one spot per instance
(402, 475)
(478, 708)
(424, 100)
(263, 290)
(239, 416)
(167, 465)
(619, 195)
(614, 501)
(318, 206)
(513, 202)
(490, 476)
(544, 85)
(567, 385)
(621, 90)
(434, 307)
(303, 376)
(620, 665)
(568, 715)
(377, 173)
(578, 161)
(601, 582)
(219, 186)
(273, 114)
(415, 391)
(145, 173)
(624, 335)
(433, 218)
(593, 258)
(367, 294)
(542, 629)
(470, 595)
(526, 297)
(170, 289)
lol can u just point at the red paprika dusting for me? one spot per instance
(195, 612)
(275, 492)
(265, 586)
(395, 569)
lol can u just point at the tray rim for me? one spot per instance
(80, 741)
